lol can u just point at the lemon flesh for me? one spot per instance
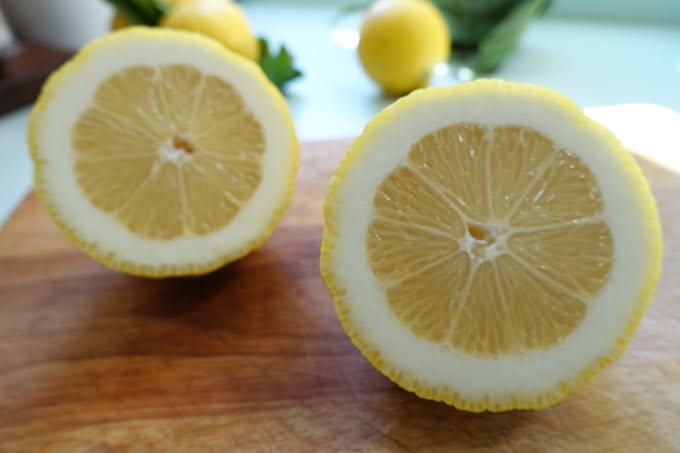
(490, 239)
(161, 153)
(168, 151)
(489, 246)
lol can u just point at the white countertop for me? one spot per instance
(595, 63)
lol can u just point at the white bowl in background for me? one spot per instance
(65, 24)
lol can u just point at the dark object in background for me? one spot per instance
(23, 70)
(485, 32)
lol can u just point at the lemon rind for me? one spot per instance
(91, 248)
(559, 391)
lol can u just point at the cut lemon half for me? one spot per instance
(162, 153)
(489, 246)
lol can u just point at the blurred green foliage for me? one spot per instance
(485, 32)
(141, 12)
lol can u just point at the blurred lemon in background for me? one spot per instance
(400, 43)
(222, 20)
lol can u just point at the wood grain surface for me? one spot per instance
(23, 70)
(252, 357)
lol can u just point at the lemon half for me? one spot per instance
(162, 153)
(489, 246)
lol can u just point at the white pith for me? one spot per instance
(168, 152)
(485, 249)
(101, 229)
(436, 365)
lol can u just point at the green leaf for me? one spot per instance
(279, 67)
(141, 12)
(502, 40)
(471, 20)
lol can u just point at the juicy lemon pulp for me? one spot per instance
(490, 239)
(168, 151)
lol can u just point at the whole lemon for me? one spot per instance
(222, 20)
(400, 43)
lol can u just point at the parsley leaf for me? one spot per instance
(279, 68)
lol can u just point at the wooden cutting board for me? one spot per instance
(252, 357)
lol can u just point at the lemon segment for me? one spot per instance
(161, 153)
(489, 246)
